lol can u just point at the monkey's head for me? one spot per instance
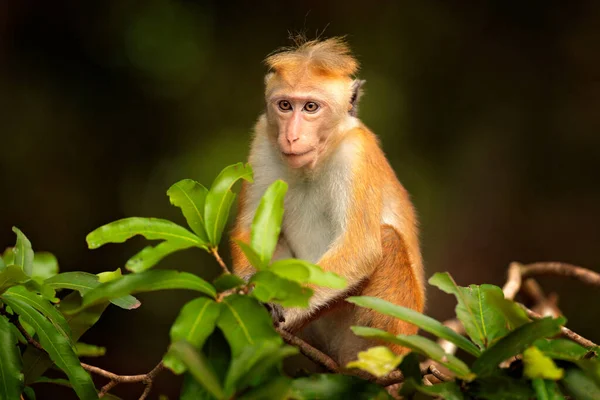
(311, 96)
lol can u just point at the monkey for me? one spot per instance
(345, 209)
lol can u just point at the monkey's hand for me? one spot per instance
(276, 313)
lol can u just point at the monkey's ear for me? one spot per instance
(356, 93)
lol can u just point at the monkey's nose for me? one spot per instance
(292, 139)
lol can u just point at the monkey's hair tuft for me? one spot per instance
(330, 56)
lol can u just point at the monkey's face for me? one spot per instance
(303, 122)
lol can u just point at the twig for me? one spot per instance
(439, 374)
(215, 253)
(546, 306)
(114, 378)
(564, 330)
(106, 388)
(513, 283)
(309, 351)
(562, 269)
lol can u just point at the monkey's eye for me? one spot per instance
(311, 107)
(284, 105)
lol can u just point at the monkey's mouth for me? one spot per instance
(297, 154)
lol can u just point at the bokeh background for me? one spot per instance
(488, 112)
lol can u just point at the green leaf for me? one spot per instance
(546, 390)
(250, 364)
(266, 224)
(420, 345)
(148, 281)
(561, 349)
(378, 361)
(36, 362)
(580, 386)
(37, 285)
(2, 263)
(194, 324)
(333, 386)
(515, 343)
(89, 350)
(410, 366)
(11, 379)
(45, 265)
(58, 347)
(245, 322)
(9, 256)
(83, 282)
(198, 366)
(220, 198)
(108, 276)
(149, 256)
(19, 293)
(483, 310)
(227, 281)
(23, 252)
(305, 272)
(591, 368)
(190, 196)
(250, 254)
(151, 228)
(445, 390)
(539, 366)
(500, 386)
(424, 322)
(191, 389)
(10, 276)
(275, 389)
(29, 393)
(270, 288)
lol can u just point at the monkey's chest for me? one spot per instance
(310, 225)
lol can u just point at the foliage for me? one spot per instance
(224, 342)
(499, 332)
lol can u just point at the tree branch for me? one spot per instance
(115, 379)
(215, 253)
(564, 330)
(309, 351)
(561, 269)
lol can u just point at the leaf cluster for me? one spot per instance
(511, 355)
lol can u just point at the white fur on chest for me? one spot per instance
(315, 208)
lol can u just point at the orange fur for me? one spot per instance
(369, 216)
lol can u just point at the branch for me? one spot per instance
(309, 351)
(439, 374)
(215, 253)
(115, 379)
(561, 269)
(564, 330)
(516, 272)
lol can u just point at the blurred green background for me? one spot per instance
(488, 112)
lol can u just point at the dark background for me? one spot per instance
(488, 112)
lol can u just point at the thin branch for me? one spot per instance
(115, 379)
(513, 283)
(215, 253)
(106, 388)
(309, 351)
(562, 269)
(547, 306)
(439, 374)
(564, 330)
